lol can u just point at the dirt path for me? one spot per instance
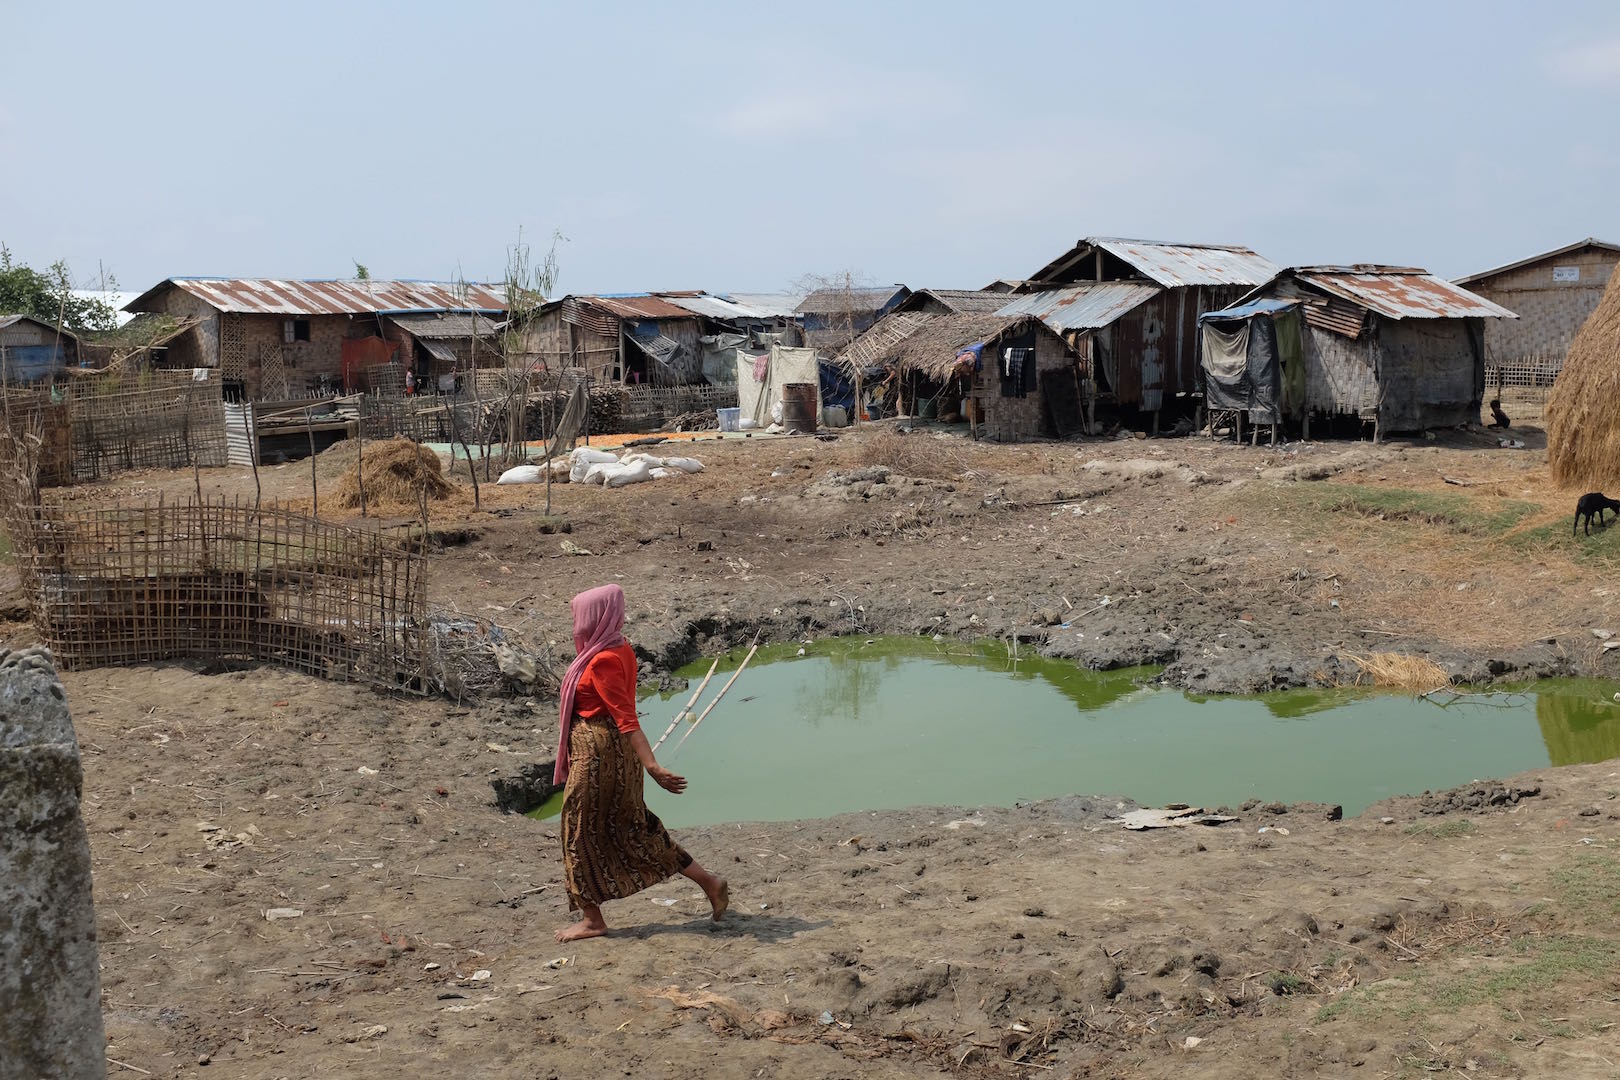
(1043, 940)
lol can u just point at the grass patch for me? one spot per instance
(1449, 510)
(1590, 884)
(1602, 548)
(1444, 830)
(1544, 963)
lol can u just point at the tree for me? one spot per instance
(48, 297)
(362, 272)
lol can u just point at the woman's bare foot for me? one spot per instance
(592, 925)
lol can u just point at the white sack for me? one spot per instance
(638, 473)
(685, 464)
(522, 474)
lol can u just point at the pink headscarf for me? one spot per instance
(598, 625)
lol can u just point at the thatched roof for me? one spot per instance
(924, 344)
(1583, 425)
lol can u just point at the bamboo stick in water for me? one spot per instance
(751, 651)
(687, 710)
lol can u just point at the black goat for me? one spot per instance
(1590, 505)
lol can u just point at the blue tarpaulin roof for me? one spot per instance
(1253, 307)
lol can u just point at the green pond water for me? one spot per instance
(888, 723)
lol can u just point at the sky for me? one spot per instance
(744, 147)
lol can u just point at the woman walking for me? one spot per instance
(613, 846)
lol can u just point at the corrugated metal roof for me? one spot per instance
(716, 307)
(1082, 307)
(1401, 292)
(1590, 241)
(1173, 265)
(783, 305)
(637, 306)
(270, 296)
(444, 325)
(1177, 265)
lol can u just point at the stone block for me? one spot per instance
(50, 984)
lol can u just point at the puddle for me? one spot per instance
(892, 723)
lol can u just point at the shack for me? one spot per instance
(35, 351)
(1011, 377)
(269, 338)
(834, 316)
(1390, 345)
(907, 363)
(1553, 294)
(1151, 350)
(436, 344)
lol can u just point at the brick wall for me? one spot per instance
(1011, 419)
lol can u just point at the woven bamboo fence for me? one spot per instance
(223, 580)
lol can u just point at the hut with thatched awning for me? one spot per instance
(1009, 377)
(1583, 425)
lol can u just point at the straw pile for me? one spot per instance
(1583, 420)
(397, 472)
(1416, 674)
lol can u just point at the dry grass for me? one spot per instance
(1417, 674)
(1583, 425)
(918, 454)
(397, 472)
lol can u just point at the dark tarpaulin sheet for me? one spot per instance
(1242, 369)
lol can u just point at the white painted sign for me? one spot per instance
(1566, 273)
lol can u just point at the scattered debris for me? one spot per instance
(1166, 818)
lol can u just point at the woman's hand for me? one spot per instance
(667, 780)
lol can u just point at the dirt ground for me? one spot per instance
(1472, 932)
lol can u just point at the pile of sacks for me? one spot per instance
(587, 465)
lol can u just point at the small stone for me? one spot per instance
(1034, 913)
(482, 975)
(1590, 811)
(1191, 1042)
(203, 1059)
(283, 913)
(431, 967)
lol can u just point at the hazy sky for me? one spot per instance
(742, 146)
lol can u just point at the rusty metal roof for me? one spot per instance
(1172, 265)
(1401, 292)
(1090, 306)
(637, 306)
(271, 296)
(1589, 242)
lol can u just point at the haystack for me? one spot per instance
(397, 472)
(1583, 411)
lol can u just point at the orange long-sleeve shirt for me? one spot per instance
(609, 687)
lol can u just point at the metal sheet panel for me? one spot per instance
(1081, 307)
(717, 308)
(1402, 292)
(783, 305)
(1177, 265)
(270, 296)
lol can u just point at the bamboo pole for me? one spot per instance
(686, 711)
(751, 651)
(314, 484)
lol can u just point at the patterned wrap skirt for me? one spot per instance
(613, 846)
